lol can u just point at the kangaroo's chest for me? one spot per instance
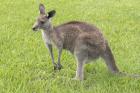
(46, 37)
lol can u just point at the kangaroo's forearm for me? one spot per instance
(59, 55)
(51, 52)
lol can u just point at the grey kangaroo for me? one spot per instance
(83, 40)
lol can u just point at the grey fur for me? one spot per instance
(83, 40)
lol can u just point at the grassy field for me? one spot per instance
(25, 64)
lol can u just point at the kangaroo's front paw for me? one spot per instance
(58, 67)
(55, 67)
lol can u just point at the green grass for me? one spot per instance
(25, 64)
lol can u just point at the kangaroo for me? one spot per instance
(83, 40)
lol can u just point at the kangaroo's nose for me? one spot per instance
(33, 28)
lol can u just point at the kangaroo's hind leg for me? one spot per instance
(81, 60)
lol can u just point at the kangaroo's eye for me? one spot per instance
(42, 22)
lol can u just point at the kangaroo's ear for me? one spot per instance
(51, 13)
(42, 9)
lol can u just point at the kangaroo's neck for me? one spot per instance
(47, 34)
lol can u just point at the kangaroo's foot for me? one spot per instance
(116, 71)
(58, 67)
(78, 78)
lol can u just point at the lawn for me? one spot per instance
(25, 64)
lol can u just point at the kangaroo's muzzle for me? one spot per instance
(34, 29)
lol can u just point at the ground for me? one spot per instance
(25, 64)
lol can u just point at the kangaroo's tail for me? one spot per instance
(111, 64)
(109, 59)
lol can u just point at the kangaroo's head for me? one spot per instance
(44, 19)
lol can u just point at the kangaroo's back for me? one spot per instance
(71, 30)
(77, 25)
